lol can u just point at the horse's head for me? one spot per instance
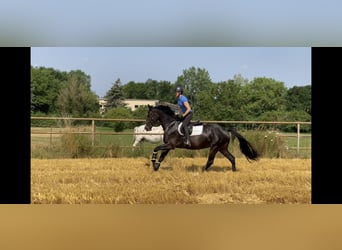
(152, 118)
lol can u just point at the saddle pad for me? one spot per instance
(196, 129)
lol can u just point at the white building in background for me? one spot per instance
(133, 104)
(103, 104)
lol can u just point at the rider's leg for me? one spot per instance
(186, 122)
(187, 137)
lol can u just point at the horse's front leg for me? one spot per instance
(163, 155)
(153, 159)
(165, 148)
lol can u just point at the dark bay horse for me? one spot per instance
(212, 136)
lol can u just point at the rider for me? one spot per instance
(186, 111)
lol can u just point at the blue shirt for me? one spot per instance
(181, 101)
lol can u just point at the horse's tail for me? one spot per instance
(232, 135)
(246, 148)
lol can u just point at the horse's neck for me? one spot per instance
(165, 120)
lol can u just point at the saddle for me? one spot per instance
(191, 127)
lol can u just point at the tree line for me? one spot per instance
(59, 93)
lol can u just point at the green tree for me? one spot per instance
(119, 113)
(159, 90)
(299, 99)
(262, 95)
(46, 84)
(151, 89)
(81, 77)
(205, 101)
(76, 99)
(221, 101)
(131, 90)
(114, 96)
(194, 80)
(140, 112)
(165, 92)
(32, 98)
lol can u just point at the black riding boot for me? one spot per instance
(187, 137)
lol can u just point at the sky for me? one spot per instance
(290, 65)
(171, 23)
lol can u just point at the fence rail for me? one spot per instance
(93, 131)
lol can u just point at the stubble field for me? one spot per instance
(178, 181)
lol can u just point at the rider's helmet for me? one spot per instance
(179, 89)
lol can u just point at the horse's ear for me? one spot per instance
(149, 107)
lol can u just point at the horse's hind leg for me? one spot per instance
(230, 157)
(211, 157)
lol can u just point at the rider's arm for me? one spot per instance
(188, 108)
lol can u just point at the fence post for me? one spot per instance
(298, 136)
(93, 131)
(50, 137)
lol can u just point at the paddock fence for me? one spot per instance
(53, 131)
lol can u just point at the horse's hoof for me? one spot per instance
(156, 166)
(204, 169)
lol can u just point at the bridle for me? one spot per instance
(151, 120)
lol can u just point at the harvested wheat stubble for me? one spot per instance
(178, 181)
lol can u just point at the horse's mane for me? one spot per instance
(166, 110)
